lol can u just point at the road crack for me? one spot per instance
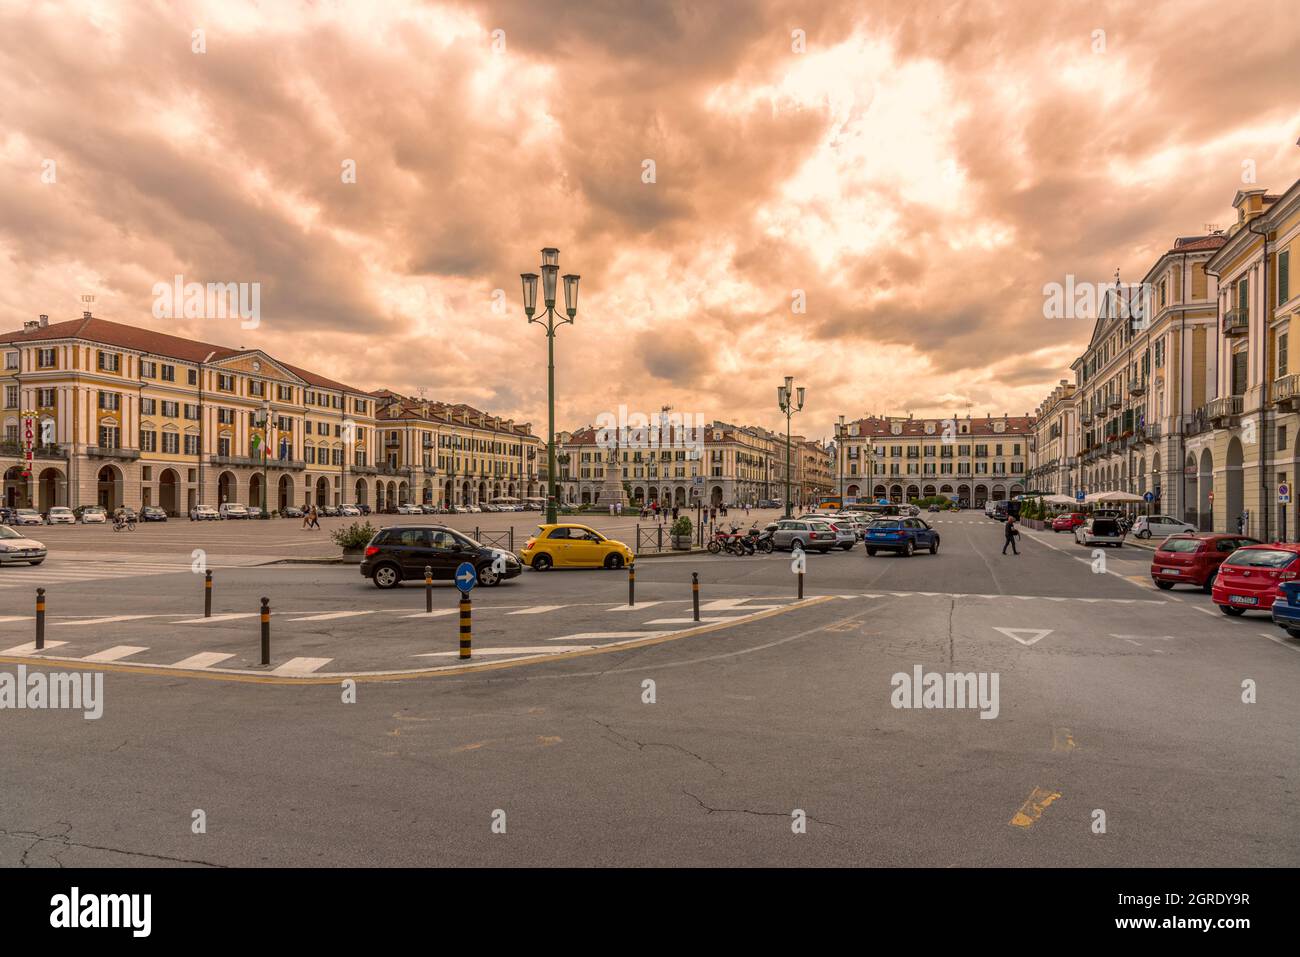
(741, 810)
(642, 745)
(66, 843)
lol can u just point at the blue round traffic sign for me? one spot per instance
(466, 577)
(1149, 497)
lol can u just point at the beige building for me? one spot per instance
(124, 415)
(1053, 444)
(903, 458)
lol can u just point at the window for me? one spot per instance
(1281, 439)
(11, 397)
(45, 398)
(256, 387)
(11, 360)
(171, 443)
(191, 446)
(169, 373)
(109, 402)
(109, 362)
(1283, 276)
(191, 411)
(148, 370)
(284, 423)
(148, 407)
(45, 359)
(284, 393)
(169, 409)
(1281, 355)
(108, 436)
(1239, 372)
(225, 382)
(148, 441)
(192, 376)
(223, 445)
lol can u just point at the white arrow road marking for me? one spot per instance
(330, 615)
(103, 621)
(30, 647)
(530, 650)
(204, 659)
(600, 635)
(1031, 635)
(301, 666)
(534, 610)
(115, 653)
(229, 617)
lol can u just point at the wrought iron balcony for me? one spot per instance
(1235, 323)
(1286, 392)
(1138, 387)
(103, 452)
(1114, 402)
(1223, 410)
(53, 451)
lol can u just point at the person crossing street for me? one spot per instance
(1011, 534)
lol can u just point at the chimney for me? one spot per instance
(86, 314)
(30, 324)
(44, 321)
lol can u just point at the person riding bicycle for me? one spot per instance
(121, 519)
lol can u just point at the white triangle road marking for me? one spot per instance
(535, 610)
(1026, 636)
(599, 635)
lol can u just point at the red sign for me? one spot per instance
(29, 441)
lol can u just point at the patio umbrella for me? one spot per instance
(1058, 500)
(1113, 497)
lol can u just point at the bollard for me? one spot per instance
(207, 594)
(801, 585)
(40, 618)
(428, 589)
(465, 636)
(695, 593)
(660, 545)
(266, 631)
(631, 584)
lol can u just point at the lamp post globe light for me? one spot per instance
(790, 400)
(548, 321)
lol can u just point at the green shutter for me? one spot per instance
(1283, 276)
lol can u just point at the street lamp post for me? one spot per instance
(840, 449)
(550, 271)
(266, 435)
(790, 400)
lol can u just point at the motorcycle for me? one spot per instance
(761, 539)
(729, 542)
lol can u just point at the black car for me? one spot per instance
(400, 553)
(363, 509)
(152, 513)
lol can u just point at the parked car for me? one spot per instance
(1193, 559)
(152, 513)
(934, 507)
(349, 510)
(1286, 608)
(363, 509)
(16, 547)
(252, 511)
(28, 516)
(804, 534)
(1159, 525)
(429, 509)
(328, 511)
(573, 546)
(1068, 521)
(1100, 531)
(232, 510)
(91, 514)
(291, 511)
(401, 552)
(846, 534)
(60, 515)
(1248, 579)
(902, 535)
(406, 508)
(204, 513)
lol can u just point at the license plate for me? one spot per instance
(1242, 600)
(1171, 571)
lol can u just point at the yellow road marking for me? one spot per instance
(164, 671)
(1034, 806)
(1062, 740)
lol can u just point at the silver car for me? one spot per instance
(14, 547)
(805, 533)
(846, 532)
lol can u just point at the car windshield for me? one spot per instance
(7, 532)
(28, 511)
(1180, 545)
(885, 525)
(1261, 558)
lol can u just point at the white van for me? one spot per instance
(232, 510)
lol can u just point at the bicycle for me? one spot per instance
(124, 523)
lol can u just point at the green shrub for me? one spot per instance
(356, 535)
(682, 526)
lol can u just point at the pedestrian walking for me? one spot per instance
(1011, 535)
(1241, 524)
(315, 518)
(611, 508)
(306, 515)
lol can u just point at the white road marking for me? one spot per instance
(104, 621)
(204, 659)
(1205, 611)
(116, 653)
(301, 666)
(535, 610)
(640, 604)
(436, 613)
(1030, 635)
(331, 615)
(30, 647)
(1281, 641)
(215, 618)
(602, 635)
(8, 618)
(528, 650)
(692, 621)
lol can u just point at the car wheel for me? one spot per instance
(934, 546)
(1231, 611)
(487, 576)
(387, 575)
(1163, 586)
(797, 543)
(871, 551)
(542, 563)
(1293, 632)
(614, 561)
(908, 549)
(1209, 582)
(37, 562)
(846, 546)
(1144, 534)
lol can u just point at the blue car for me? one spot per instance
(902, 535)
(1286, 608)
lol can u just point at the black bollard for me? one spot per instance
(266, 631)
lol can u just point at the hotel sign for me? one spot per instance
(29, 426)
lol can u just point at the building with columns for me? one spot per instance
(1052, 446)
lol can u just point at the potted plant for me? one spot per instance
(353, 539)
(681, 534)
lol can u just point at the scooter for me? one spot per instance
(761, 539)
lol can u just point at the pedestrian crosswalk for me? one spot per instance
(62, 573)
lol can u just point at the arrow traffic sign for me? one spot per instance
(1026, 636)
(466, 577)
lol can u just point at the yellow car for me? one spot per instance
(573, 546)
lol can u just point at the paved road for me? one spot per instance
(1113, 697)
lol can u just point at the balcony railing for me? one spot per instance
(1114, 402)
(1138, 388)
(1286, 390)
(387, 469)
(1086, 418)
(1223, 409)
(38, 451)
(1235, 323)
(103, 452)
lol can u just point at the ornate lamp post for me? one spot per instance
(840, 452)
(790, 400)
(549, 321)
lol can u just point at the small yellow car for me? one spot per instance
(573, 546)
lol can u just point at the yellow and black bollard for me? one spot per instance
(465, 631)
(207, 594)
(695, 593)
(631, 584)
(428, 589)
(40, 618)
(266, 631)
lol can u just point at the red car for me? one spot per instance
(1193, 559)
(1248, 578)
(1068, 521)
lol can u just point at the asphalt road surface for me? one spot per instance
(1120, 734)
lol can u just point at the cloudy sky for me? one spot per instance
(917, 171)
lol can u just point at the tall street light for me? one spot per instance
(790, 400)
(839, 449)
(550, 271)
